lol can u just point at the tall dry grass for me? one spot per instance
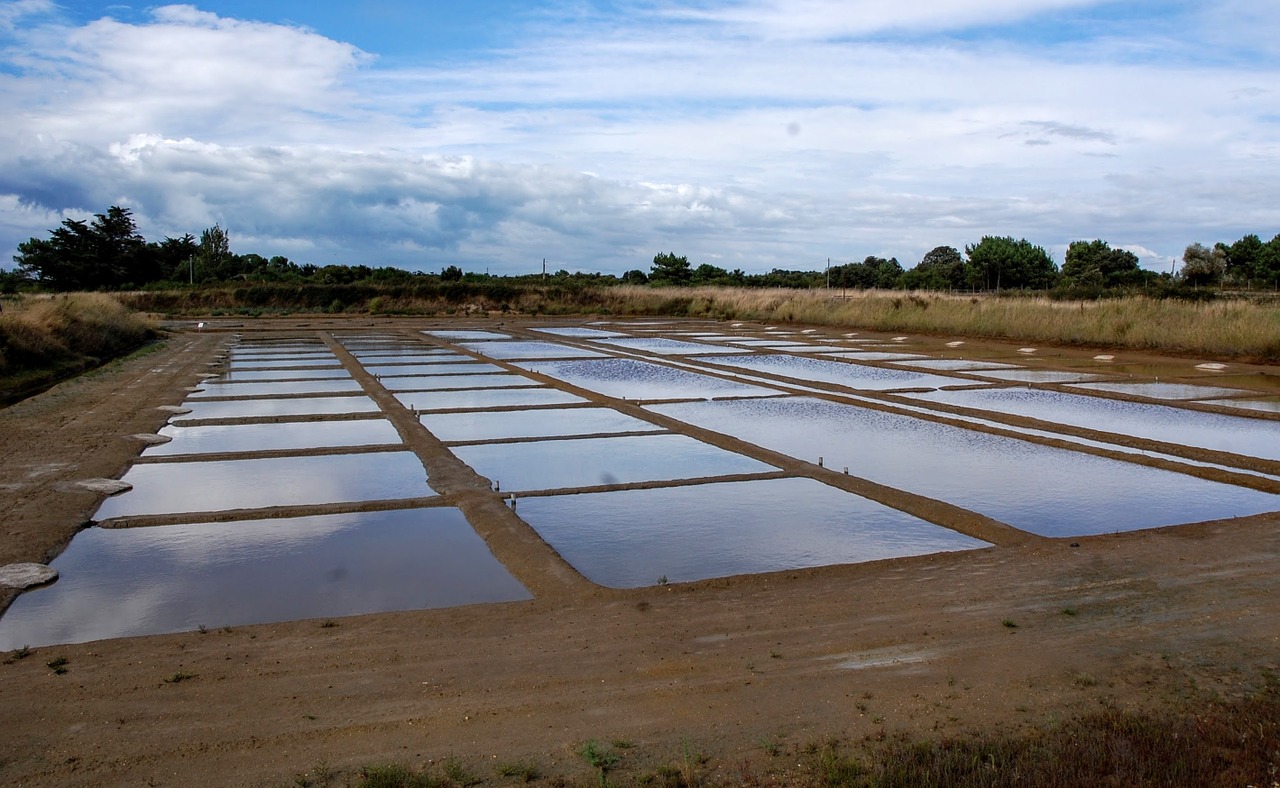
(60, 332)
(1237, 328)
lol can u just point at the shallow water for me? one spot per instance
(1266, 405)
(1039, 375)
(954, 364)
(337, 386)
(175, 578)
(273, 437)
(1235, 434)
(433, 382)
(177, 487)
(641, 380)
(300, 406)
(721, 529)
(529, 348)
(855, 376)
(586, 462)
(485, 398)
(464, 334)
(1162, 390)
(237, 375)
(574, 331)
(372, 362)
(1047, 491)
(464, 368)
(666, 347)
(873, 355)
(330, 362)
(541, 423)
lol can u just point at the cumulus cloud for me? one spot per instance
(713, 129)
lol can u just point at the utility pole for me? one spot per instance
(828, 273)
(544, 269)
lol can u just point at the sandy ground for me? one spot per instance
(723, 678)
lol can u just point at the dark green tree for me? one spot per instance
(105, 253)
(1002, 262)
(635, 277)
(1202, 265)
(451, 273)
(941, 268)
(668, 269)
(872, 272)
(1095, 263)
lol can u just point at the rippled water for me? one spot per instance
(855, 376)
(542, 423)
(642, 380)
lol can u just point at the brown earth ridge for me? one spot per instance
(743, 671)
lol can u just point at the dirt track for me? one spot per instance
(727, 669)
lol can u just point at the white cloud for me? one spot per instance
(711, 136)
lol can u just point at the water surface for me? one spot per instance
(175, 578)
(855, 376)
(529, 348)
(641, 380)
(630, 538)
(475, 399)
(211, 439)
(541, 423)
(299, 406)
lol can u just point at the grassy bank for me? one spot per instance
(46, 338)
(1236, 328)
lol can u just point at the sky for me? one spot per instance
(594, 134)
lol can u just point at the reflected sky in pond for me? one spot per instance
(548, 465)
(330, 362)
(464, 368)
(1220, 432)
(300, 406)
(1156, 390)
(1044, 490)
(666, 347)
(466, 334)
(210, 390)
(175, 578)
(634, 379)
(953, 364)
(177, 487)
(546, 422)
(855, 376)
(431, 382)
(485, 398)
(630, 538)
(273, 437)
(1039, 375)
(507, 351)
(1271, 405)
(372, 363)
(574, 331)
(237, 375)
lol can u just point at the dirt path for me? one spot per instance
(734, 670)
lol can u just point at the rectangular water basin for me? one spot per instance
(177, 487)
(528, 348)
(426, 359)
(314, 363)
(542, 423)
(175, 578)
(475, 399)
(587, 462)
(253, 375)
(803, 369)
(462, 368)
(1155, 390)
(575, 331)
(292, 406)
(1271, 405)
(429, 383)
(641, 380)
(630, 538)
(1038, 375)
(667, 347)
(464, 334)
(1043, 490)
(210, 439)
(952, 364)
(222, 390)
(1250, 437)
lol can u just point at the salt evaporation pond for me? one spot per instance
(466, 334)
(632, 379)
(475, 399)
(571, 331)
(236, 375)
(285, 406)
(667, 347)
(854, 376)
(529, 348)
(631, 538)
(587, 462)
(223, 390)
(1179, 426)
(1038, 375)
(429, 382)
(175, 578)
(406, 370)
(211, 486)
(1040, 489)
(543, 423)
(226, 438)
(1156, 390)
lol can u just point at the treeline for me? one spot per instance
(108, 253)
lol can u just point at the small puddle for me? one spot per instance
(175, 578)
(631, 538)
(177, 487)
(587, 462)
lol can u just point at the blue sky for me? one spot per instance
(748, 134)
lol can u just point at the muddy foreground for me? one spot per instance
(720, 679)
